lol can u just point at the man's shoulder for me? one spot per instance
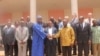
(70, 28)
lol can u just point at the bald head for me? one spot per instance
(39, 19)
(65, 22)
(50, 24)
(22, 19)
(81, 19)
(28, 18)
(59, 19)
(52, 19)
(90, 15)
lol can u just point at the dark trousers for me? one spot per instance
(50, 47)
(66, 50)
(8, 50)
(74, 49)
(59, 46)
(29, 46)
(16, 49)
(83, 47)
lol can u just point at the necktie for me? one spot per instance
(8, 30)
(81, 25)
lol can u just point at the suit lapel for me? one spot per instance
(84, 26)
(80, 26)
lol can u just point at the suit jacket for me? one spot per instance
(22, 35)
(54, 31)
(8, 35)
(30, 25)
(83, 35)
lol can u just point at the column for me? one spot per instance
(74, 7)
(33, 10)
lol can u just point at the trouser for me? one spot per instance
(22, 49)
(96, 49)
(29, 46)
(74, 49)
(66, 50)
(83, 47)
(8, 50)
(59, 46)
(16, 49)
(51, 47)
(91, 49)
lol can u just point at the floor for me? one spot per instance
(2, 52)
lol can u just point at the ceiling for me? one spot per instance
(24, 5)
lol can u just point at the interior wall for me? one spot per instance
(15, 16)
(44, 14)
(67, 12)
(96, 13)
(56, 13)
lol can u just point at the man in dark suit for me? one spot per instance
(83, 36)
(29, 25)
(50, 42)
(8, 37)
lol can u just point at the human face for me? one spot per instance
(50, 24)
(65, 21)
(94, 22)
(9, 24)
(22, 23)
(39, 20)
(81, 19)
(89, 15)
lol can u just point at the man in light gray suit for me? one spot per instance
(8, 37)
(22, 34)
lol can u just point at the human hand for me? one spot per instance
(75, 43)
(89, 42)
(49, 37)
(72, 44)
